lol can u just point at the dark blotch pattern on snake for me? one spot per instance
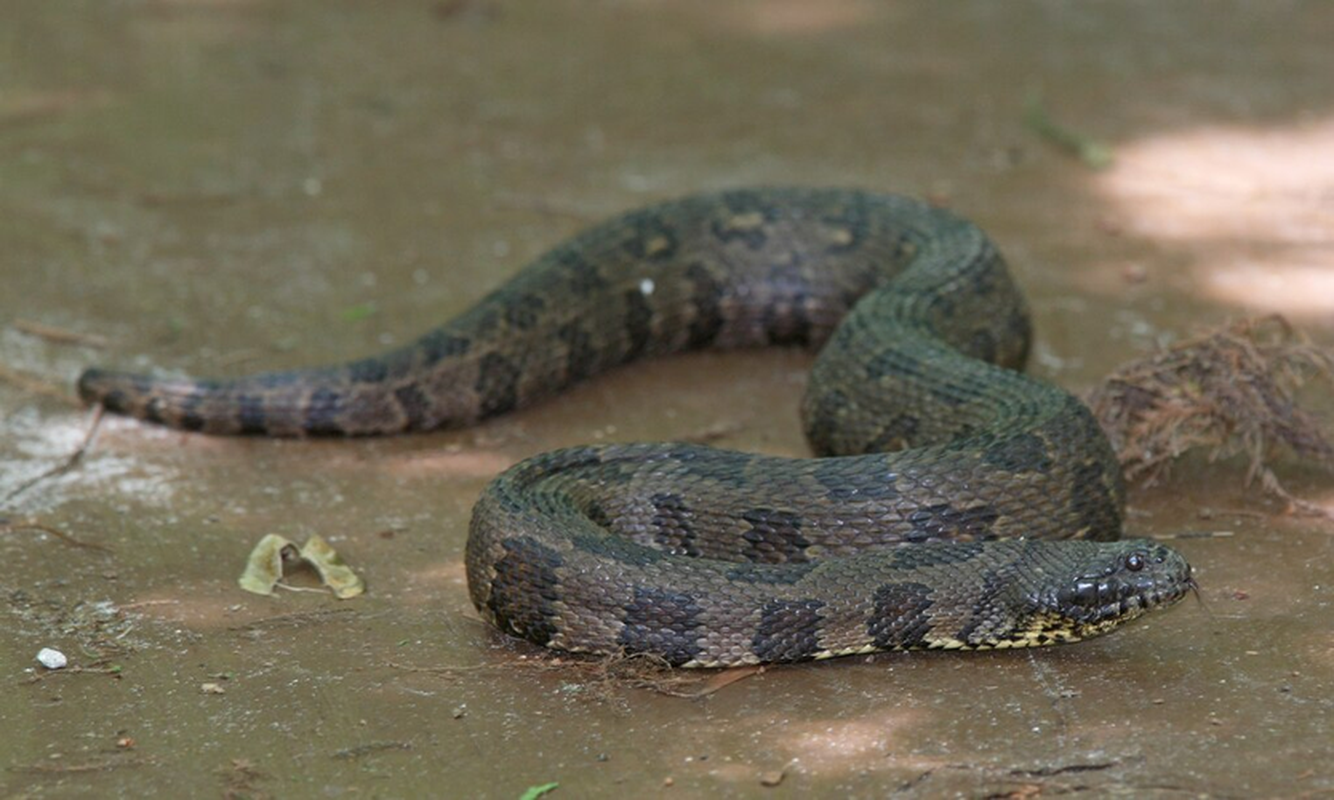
(707, 557)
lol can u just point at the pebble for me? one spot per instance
(52, 659)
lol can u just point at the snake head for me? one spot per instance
(1116, 583)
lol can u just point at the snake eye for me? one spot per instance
(1135, 562)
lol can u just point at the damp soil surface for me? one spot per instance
(222, 186)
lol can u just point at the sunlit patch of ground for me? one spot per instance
(785, 745)
(1253, 207)
(42, 443)
(819, 745)
(798, 16)
(23, 105)
(447, 463)
(1322, 500)
(779, 17)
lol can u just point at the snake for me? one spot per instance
(951, 502)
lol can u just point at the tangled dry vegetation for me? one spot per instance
(1230, 390)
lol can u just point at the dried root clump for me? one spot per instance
(1229, 389)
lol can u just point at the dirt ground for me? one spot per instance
(222, 186)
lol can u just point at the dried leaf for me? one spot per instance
(334, 573)
(264, 569)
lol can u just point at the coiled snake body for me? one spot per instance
(708, 557)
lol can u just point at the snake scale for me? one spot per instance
(926, 434)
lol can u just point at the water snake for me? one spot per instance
(925, 435)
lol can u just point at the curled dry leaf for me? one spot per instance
(264, 569)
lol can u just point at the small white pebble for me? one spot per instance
(52, 659)
(646, 287)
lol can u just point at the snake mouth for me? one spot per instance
(1136, 582)
(1126, 601)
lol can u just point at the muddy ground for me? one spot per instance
(220, 186)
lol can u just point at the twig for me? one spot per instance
(58, 335)
(147, 603)
(293, 620)
(1296, 505)
(65, 466)
(236, 357)
(1093, 153)
(353, 753)
(438, 670)
(307, 589)
(1212, 513)
(7, 526)
(75, 670)
(714, 432)
(92, 766)
(1162, 537)
(714, 683)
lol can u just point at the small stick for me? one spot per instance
(76, 769)
(74, 670)
(65, 466)
(28, 525)
(58, 335)
(1093, 153)
(1162, 537)
(437, 670)
(714, 683)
